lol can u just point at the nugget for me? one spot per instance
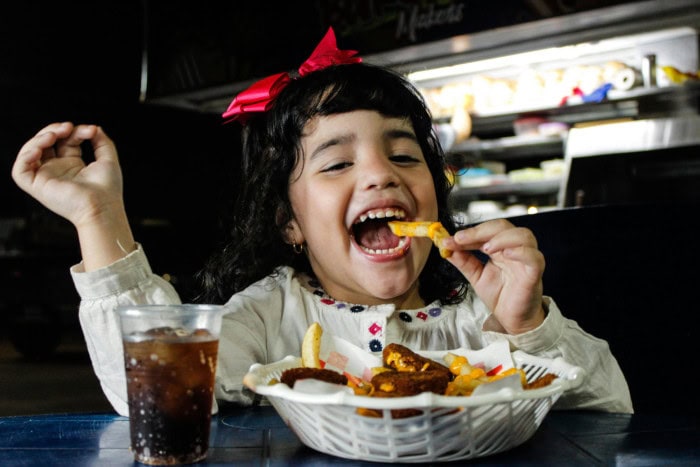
(409, 383)
(542, 381)
(292, 375)
(401, 358)
(395, 413)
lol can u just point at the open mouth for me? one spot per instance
(373, 235)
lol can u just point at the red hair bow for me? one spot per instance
(260, 96)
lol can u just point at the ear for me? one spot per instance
(292, 233)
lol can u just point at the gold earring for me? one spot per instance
(298, 248)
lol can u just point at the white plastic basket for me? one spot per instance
(448, 428)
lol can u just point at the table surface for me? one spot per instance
(258, 436)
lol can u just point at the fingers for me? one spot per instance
(34, 151)
(469, 264)
(501, 241)
(494, 236)
(60, 129)
(68, 144)
(57, 140)
(103, 146)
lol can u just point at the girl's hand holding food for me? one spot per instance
(510, 282)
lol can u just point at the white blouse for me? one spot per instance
(267, 322)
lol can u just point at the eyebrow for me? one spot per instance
(399, 134)
(345, 139)
(392, 134)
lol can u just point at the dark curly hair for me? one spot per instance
(255, 245)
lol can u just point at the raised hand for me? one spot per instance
(510, 282)
(50, 167)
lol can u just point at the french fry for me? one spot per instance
(433, 230)
(468, 377)
(311, 346)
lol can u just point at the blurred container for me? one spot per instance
(553, 129)
(528, 125)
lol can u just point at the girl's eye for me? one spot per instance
(404, 159)
(336, 167)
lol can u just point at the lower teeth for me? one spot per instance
(397, 248)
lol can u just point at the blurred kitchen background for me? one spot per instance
(541, 105)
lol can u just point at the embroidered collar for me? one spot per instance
(312, 284)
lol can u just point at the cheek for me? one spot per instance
(297, 200)
(425, 193)
(318, 210)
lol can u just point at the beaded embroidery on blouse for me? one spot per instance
(374, 332)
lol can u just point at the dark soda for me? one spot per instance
(170, 382)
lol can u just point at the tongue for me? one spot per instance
(375, 235)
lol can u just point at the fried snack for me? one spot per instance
(400, 383)
(459, 365)
(292, 375)
(403, 359)
(311, 346)
(433, 230)
(468, 377)
(395, 413)
(405, 373)
(542, 381)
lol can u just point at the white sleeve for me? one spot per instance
(267, 322)
(604, 387)
(248, 335)
(129, 280)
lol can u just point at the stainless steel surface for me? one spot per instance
(662, 139)
(633, 136)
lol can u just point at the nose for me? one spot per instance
(378, 172)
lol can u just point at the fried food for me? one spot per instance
(398, 383)
(395, 413)
(468, 377)
(311, 346)
(433, 230)
(542, 381)
(402, 359)
(404, 373)
(292, 375)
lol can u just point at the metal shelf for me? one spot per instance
(635, 104)
(503, 190)
(511, 147)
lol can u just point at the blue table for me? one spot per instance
(257, 436)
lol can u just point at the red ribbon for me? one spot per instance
(326, 54)
(260, 96)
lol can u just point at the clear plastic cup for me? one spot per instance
(170, 356)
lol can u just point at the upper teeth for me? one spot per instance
(381, 214)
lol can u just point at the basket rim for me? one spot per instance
(570, 377)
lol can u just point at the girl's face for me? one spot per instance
(361, 169)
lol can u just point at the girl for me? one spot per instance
(328, 158)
